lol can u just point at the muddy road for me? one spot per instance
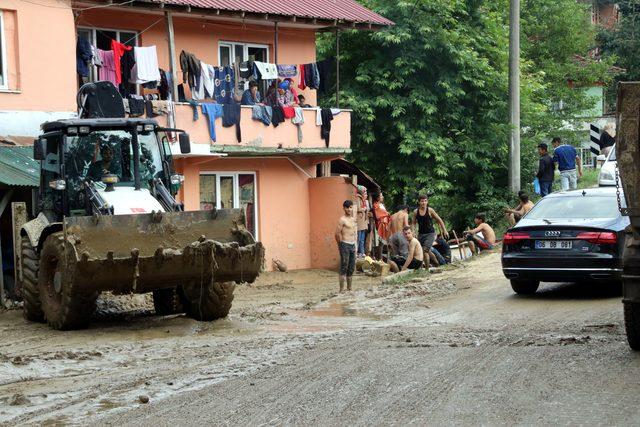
(455, 348)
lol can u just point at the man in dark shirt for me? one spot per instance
(546, 170)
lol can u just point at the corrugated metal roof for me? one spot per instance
(18, 168)
(345, 10)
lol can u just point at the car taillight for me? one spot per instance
(514, 237)
(599, 237)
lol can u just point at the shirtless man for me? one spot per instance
(415, 256)
(488, 238)
(514, 215)
(399, 220)
(345, 235)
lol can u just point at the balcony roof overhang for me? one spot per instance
(197, 9)
(251, 151)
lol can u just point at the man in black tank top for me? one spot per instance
(424, 217)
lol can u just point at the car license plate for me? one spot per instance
(554, 244)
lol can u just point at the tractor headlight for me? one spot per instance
(84, 130)
(72, 130)
(58, 184)
(177, 179)
(149, 128)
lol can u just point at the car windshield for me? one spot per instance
(575, 207)
(612, 155)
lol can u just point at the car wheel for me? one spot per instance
(524, 287)
(632, 324)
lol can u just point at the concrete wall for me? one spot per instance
(285, 219)
(40, 55)
(326, 196)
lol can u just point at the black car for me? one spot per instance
(566, 237)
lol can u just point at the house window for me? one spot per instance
(231, 190)
(101, 38)
(3, 56)
(231, 52)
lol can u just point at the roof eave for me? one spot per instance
(316, 23)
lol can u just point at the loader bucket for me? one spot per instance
(141, 253)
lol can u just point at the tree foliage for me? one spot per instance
(430, 94)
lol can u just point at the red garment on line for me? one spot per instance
(289, 112)
(302, 85)
(118, 50)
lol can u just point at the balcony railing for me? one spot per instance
(256, 136)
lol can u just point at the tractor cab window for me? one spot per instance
(92, 156)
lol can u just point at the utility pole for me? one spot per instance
(514, 95)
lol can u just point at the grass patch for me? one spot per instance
(589, 178)
(401, 279)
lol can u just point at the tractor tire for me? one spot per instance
(30, 262)
(632, 324)
(64, 306)
(524, 287)
(208, 302)
(167, 301)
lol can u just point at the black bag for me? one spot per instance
(99, 100)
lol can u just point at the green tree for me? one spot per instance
(430, 95)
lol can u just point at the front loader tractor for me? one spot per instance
(108, 220)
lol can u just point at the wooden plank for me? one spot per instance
(18, 219)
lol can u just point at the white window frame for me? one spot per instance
(94, 30)
(236, 191)
(3, 55)
(245, 52)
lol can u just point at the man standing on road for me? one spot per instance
(362, 219)
(566, 157)
(546, 170)
(424, 217)
(346, 238)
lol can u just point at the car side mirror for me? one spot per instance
(185, 143)
(39, 148)
(601, 158)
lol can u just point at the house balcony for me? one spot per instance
(260, 139)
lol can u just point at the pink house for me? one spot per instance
(283, 183)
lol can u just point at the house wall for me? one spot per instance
(326, 196)
(41, 64)
(284, 224)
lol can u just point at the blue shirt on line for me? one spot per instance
(565, 157)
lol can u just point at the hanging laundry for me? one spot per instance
(212, 111)
(231, 116)
(224, 83)
(262, 113)
(83, 56)
(95, 59)
(181, 96)
(325, 68)
(287, 70)
(194, 106)
(118, 50)
(145, 68)
(191, 69)
(171, 120)
(302, 85)
(148, 106)
(207, 79)
(289, 112)
(246, 69)
(160, 108)
(298, 120)
(277, 116)
(325, 129)
(267, 71)
(108, 70)
(198, 92)
(318, 116)
(165, 87)
(311, 76)
(136, 106)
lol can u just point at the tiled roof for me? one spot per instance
(17, 166)
(344, 10)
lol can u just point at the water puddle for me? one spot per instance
(338, 309)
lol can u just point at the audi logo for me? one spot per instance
(552, 233)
